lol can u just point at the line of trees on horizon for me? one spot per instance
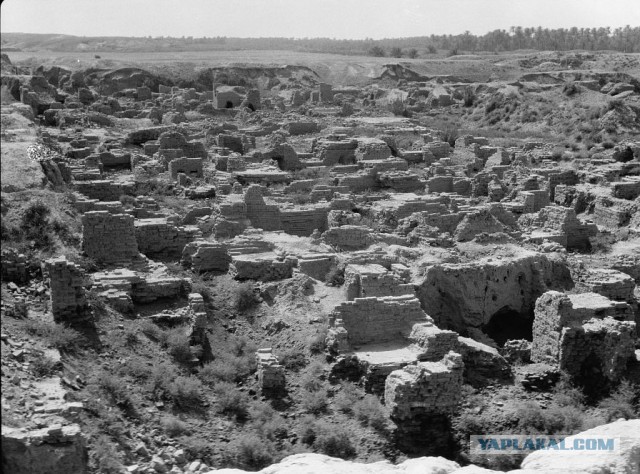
(624, 39)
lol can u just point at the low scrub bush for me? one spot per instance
(315, 402)
(244, 297)
(233, 361)
(345, 400)
(161, 376)
(152, 331)
(56, 335)
(335, 276)
(332, 440)
(293, 359)
(450, 134)
(622, 402)
(371, 412)
(312, 380)
(186, 393)
(200, 285)
(136, 367)
(43, 366)
(556, 419)
(106, 457)
(177, 343)
(318, 342)
(173, 426)
(116, 388)
(231, 401)
(252, 452)
(267, 422)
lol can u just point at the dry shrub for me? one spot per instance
(231, 401)
(371, 412)
(56, 335)
(174, 426)
(244, 296)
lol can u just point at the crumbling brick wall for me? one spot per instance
(13, 265)
(205, 256)
(270, 373)
(348, 237)
(192, 167)
(425, 388)
(362, 281)
(566, 327)
(158, 238)
(600, 348)
(262, 266)
(66, 281)
(104, 190)
(374, 320)
(53, 450)
(109, 238)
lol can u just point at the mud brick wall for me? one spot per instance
(555, 311)
(205, 256)
(373, 320)
(358, 182)
(564, 220)
(337, 152)
(611, 283)
(263, 267)
(605, 345)
(432, 342)
(303, 222)
(104, 190)
(480, 184)
(462, 186)
(626, 189)
(534, 200)
(326, 92)
(481, 361)
(438, 149)
(152, 289)
(189, 166)
(158, 238)
(348, 237)
(66, 281)
(629, 264)
(362, 281)
(109, 238)
(440, 184)
(270, 373)
(401, 182)
(233, 207)
(234, 163)
(13, 265)
(53, 450)
(376, 151)
(612, 212)
(301, 128)
(262, 215)
(567, 178)
(316, 265)
(424, 389)
(459, 296)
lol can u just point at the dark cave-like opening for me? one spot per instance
(228, 105)
(507, 324)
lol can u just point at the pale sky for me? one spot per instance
(353, 19)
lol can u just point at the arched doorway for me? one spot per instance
(506, 323)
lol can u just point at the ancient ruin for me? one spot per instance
(238, 253)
